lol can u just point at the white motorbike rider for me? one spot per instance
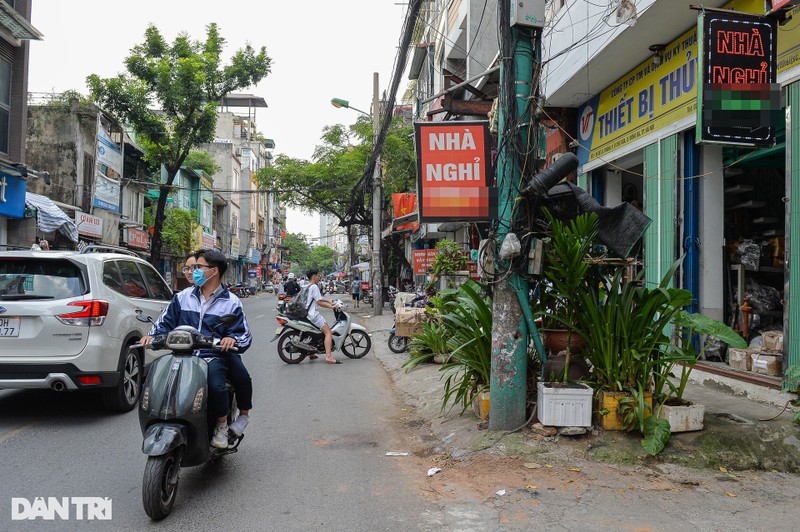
(315, 298)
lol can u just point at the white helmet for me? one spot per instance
(291, 276)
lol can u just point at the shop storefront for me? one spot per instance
(726, 208)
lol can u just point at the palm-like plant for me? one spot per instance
(469, 322)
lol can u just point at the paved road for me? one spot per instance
(313, 457)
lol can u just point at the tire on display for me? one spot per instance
(124, 396)
(289, 353)
(356, 344)
(398, 344)
(158, 494)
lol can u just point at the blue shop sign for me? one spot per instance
(12, 196)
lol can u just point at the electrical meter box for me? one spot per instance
(528, 13)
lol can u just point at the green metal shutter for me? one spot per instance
(667, 181)
(792, 346)
(651, 202)
(660, 171)
(583, 181)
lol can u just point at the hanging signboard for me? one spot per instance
(89, 225)
(137, 238)
(109, 173)
(738, 98)
(453, 169)
(423, 260)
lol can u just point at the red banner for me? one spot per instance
(453, 160)
(138, 239)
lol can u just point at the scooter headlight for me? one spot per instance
(179, 340)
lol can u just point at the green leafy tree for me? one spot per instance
(328, 183)
(323, 259)
(186, 81)
(179, 230)
(299, 250)
(202, 160)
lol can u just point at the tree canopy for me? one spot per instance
(322, 258)
(201, 160)
(299, 250)
(185, 82)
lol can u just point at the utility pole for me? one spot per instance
(377, 204)
(510, 332)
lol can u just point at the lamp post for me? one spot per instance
(377, 197)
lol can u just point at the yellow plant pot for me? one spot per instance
(609, 402)
(480, 405)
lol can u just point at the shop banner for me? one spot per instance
(405, 203)
(137, 238)
(209, 241)
(109, 173)
(89, 225)
(738, 99)
(453, 168)
(423, 259)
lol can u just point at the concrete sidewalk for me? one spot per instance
(738, 432)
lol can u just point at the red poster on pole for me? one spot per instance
(423, 260)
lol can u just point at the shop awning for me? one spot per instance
(49, 217)
(361, 266)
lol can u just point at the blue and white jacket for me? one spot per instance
(186, 309)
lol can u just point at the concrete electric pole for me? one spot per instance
(377, 207)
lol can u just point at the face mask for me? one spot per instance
(198, 278)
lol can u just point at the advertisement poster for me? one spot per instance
(423, 260)
(453, 169)
(108, 174)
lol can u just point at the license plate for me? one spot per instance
(9, 326)
(278, 331)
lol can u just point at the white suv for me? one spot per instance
(67, 319)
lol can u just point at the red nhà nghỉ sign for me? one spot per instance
(738, 98)
(453, 169)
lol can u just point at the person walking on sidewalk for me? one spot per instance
(355, 290)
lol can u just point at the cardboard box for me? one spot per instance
(773, 340)
(740, 358)
(408, 321)
(765, 364)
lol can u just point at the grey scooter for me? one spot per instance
(174, 417)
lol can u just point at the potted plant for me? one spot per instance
(685, 416)
(567, 269)
(628, 329)
(450, 267)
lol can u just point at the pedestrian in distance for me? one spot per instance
(315, 299)
(355, 290)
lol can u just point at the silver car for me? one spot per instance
(67, 319)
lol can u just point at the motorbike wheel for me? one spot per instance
(289, 353)
(356, 344)
(391, 306)
(398, 344)
(158, 493)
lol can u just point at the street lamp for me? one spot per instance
(339, 103)
(377, 198)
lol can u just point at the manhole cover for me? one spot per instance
(733, 418)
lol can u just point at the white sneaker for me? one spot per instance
(220, 437)
(238, 426)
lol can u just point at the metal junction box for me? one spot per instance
(528, 13)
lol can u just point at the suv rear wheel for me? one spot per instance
(124, 396)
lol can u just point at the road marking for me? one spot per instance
(10, 434)
(260, 316)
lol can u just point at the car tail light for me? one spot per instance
(281, 321)
(89, 379)
(94, 312)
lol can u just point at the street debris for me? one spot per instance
(500, 493)
(396, 453)
(432, 471)
(572, 431)
(532, 465)
(548, 432)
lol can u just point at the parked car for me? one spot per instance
(67, 319)
(269, 287)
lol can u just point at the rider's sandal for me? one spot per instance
(333, 361)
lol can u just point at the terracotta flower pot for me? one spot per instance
(556, 340)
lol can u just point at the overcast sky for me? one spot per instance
(320, 50)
